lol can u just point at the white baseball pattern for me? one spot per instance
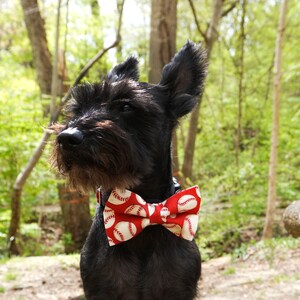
(164, 213)
(145, 223)
(124, 231)
(109, 217)
(110, 241)
(119, 197)
(189, 227)
(140, 199)
(126, 214)
(151, 209)
(136, 210)
(198, 192)
(186, 203)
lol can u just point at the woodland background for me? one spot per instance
(224, 147)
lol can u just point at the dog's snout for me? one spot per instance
(70, 137)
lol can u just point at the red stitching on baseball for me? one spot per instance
(139, 211)
(129, 209)
(108, 218)
(190, 227)
(120, 234)
(117, 196)
(131, 229)
(132, 207)
(185, 202)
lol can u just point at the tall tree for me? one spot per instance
(240, 86)
(42, 60)
(75, 207)
(209, 39)
(76, 216)
(163, 48)
(35, 26)
(162, 36)
(271, 201)
(120, 6)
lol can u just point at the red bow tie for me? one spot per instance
(126, 214)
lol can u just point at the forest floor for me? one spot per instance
(262, 273)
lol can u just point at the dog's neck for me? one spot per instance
(156, 186)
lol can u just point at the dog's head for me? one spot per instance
(116, 131)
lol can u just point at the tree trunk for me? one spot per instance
(14, 225)
(240, 88)
(54, 82)
(42, 59)
(210, 38)
(38, 40)
(271, 201)
(189, 149)
(76, 216)
(162, 49)
(175, 159)
(120, 6)
(95, 8)
(162, 36)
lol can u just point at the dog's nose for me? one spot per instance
(70, 137)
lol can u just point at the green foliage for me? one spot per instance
(234, 197)
(67, 239)
(229, 271)
(4, 222)
(30, 242)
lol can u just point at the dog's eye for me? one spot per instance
(71, 124)
(126, 107)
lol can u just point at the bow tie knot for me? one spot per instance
(158, 213)
(126, 214)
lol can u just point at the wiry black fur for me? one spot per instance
(118, 134)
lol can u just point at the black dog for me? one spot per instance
(118, 135)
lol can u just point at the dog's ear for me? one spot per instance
(183, 78)
(126, 70)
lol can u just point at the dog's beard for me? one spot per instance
(90, 179)
(106, 158)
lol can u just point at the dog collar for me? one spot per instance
(100, 197)
(126, 214)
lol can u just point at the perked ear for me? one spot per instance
(125, 70)
(184, 78)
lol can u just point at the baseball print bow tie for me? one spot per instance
(126, 214)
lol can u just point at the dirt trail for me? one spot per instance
(262, 275)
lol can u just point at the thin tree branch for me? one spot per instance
(217, 125)
(85, 69)
(54, 81)
(120, 6)
(25, 173)
(189, 148)
(271, 200)
(66, 27)
(229, 9)
(241, 84)
(196, 20)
